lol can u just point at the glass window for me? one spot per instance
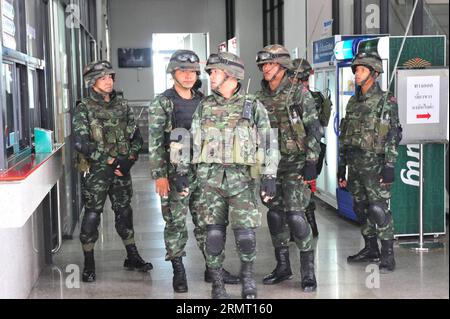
(10, 127)
(33, 30)
(11, 24)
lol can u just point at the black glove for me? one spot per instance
(181, 182)
(87, 149)
(310, 171)
(124, 164)
(341, 173)
(269, 187)
(387, 174)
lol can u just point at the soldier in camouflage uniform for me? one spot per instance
(226, 129)
(108, 143)
(172, 111)
(293, 112)
(300, 72)
(370, 134)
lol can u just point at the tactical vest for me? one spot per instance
(366, 128)
(232, 140)
(109, 127)
(183, 109)
(291, 130)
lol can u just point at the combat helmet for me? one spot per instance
(228, 62)
(184, 60)
(274, 53)
(96, 70)
(370, 60)
(301, 69)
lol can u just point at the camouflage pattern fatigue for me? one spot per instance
(175, 207)
(292, 193)
(369, 139)
(108, 126)
(228, 187)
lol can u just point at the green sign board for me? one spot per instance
(419, 52)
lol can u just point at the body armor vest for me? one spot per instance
(183, 109)
(366, 128)
(109, 127)
(230, 139)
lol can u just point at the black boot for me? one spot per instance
(179, 281)
(218, 286)
(135, 261)
(248, 280)
(307, 275)
(311, 217)
(387, 263)
(370, 252)
(89, 267)
(228, 278)
(283, 269)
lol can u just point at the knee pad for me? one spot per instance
(298, 224)
(215, 239)
(245, 240)
(89, 227)
(275, 221)
(360, 211)
(124, 222)
(378, 214)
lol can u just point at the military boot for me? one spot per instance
(135, 261)
(179, 281)
(307, 275)
(283, 269)
(370, 252)
(387, 263)
(228, 278)
(218, 286)
(311, 217)
(248, 280)
(89, 267)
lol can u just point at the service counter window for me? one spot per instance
(16, 109)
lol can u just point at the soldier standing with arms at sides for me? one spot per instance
(293, 112)
(225, 129)
(300, 72)
(173, 110)
(108, 143)
(370, 134)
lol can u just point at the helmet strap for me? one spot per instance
(104, 94)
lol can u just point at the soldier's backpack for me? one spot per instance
(323, 106)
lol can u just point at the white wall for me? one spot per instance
(133, 22)
(295, 26)
(250, 38)
(21, 257)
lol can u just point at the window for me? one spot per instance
(273, 22)
(12, 24)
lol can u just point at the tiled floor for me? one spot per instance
(417, 275)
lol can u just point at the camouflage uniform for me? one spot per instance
(225, 148)
(175, 207)
(106, 131)
(299, 147)
(370, 134)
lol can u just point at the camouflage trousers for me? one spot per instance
(97, 185)
(174, 210)
(240, 210)
(292, 195)
(364, 184)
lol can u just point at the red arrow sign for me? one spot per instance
(423, 116)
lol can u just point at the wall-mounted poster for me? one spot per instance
(134, 58)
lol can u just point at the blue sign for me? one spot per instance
(323, 50)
